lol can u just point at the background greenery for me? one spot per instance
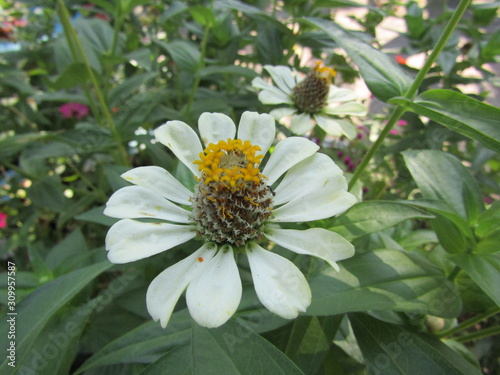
(422, 293)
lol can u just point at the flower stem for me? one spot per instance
(78, 53)
(495, 330)
(201, 65)
(413, 89)
(469, 322)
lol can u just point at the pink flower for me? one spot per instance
(75, 110)
(394, 132)
(402, 123)
(3, 220)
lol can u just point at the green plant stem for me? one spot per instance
(495, 330)
(469, 322)
(197, 80)
(413, 89)
(105, 119)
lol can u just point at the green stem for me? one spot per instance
(495, 330)
(78, 52)
(469, 322)
(412, 91)
(197, 80)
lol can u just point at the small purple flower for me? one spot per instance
(75, 110)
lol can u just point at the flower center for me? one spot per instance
(311, 94)
(231, 202)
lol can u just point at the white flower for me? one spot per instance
(312, 100)
(232, 209)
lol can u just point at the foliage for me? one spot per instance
(420, 295)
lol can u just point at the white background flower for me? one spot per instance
(340, 102)
(312, 188)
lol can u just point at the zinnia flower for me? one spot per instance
(234, 208)
(75, 110)
(311, 100)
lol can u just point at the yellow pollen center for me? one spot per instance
(232, 162)
(324, 72)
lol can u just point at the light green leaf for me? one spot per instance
(382, 75)
(384, 280)
(36, 310)
(460, 113)
(390, 350)
(484, 269)
(73, 75)
(441, 176)
(373, 216)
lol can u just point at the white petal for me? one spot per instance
(314, 189)
(259, 129)
(352, 109)
(130, 240)
(136, 202)
(160, 181)
(333, 125)
(215, 127)
(279, 113)
(282, 76)
(183, 141)
(271, 94)
(286, 154)
(319, 242)
(301, 123)
(214, 295)
(329, 125)
(166, 288)
(339, 95)
(279, 284)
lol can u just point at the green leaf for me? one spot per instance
(48, 193)
(144, 344)
(73, 75)
(185, 54)
(310, 341)
(441, 176)
(389, 349)
(460, 113)
(373, 216)
(73, 245)
(484, 269)
(12, 144)
(487, 223)
(240, 71)
(202, 15)
(35, 311)
(96, 215)
(239, 351)
(383, 76)
(384, 280)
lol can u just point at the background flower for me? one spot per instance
(311, 100)
(75, 110)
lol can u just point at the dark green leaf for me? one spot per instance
(36, 310)
(390, 350)
(202, 15)
(384, 280)
(370, 216)
(48, 193)
(460, 113)
(484, 269)
(383, 76)
(96, 215)
(441, 176)
(186, 55)
(73, 75)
